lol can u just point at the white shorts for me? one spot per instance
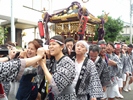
(13, 90)
(113, 91)
(4, 98)
(124, 77)
(105, 94)
(120, 82)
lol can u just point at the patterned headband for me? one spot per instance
(102, 45)
(117, 45)
(53, 40)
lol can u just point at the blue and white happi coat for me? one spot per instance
(62, 77)
(90, 83)
(130, 62)
(126, 65)
(103, 71)
(114, 70)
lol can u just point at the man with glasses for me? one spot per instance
(69, 42)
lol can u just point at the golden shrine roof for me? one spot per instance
(67, 22)
(73, 13)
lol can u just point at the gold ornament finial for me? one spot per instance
(84, 7)
(85, 1)
(43, 15)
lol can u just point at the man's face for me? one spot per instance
(103, 50)
(93, 55)
(117, 50)
(129, 49)
(124, 47)
(109, 49)
(69, 45)
(80, 49)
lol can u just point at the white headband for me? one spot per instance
(84, 43)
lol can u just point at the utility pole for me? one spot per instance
(12, 22)
(131, 8)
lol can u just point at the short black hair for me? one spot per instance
(101, 42)
(130, 46)
(69, 40)
(112, 44)
(94, 48)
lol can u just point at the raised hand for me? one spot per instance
(23, 54)
(111, 62)
(93, 99)
(123, 51)
(40, 52)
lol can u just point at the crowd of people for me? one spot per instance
(67, 70)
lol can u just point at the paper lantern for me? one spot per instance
(41, 29)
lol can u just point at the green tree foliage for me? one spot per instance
(112, 28)
(3, 32)
(125, 39)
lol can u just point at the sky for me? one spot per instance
(115, 8)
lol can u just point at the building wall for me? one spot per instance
(126, 31)
(26, 10)
(22, 12)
